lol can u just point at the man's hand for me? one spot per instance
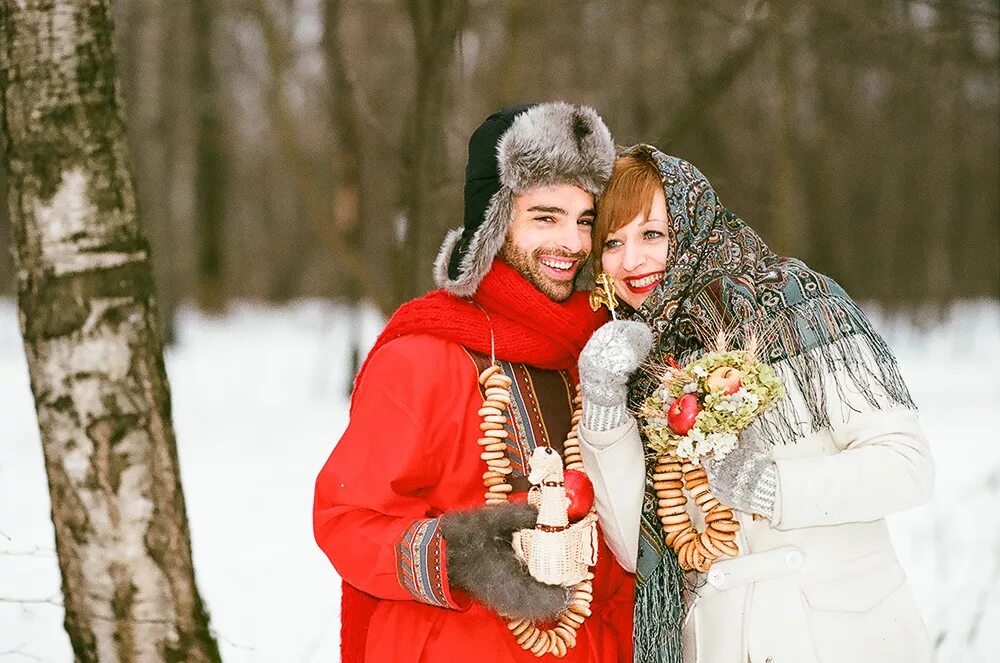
(611, 355)
(481, 561)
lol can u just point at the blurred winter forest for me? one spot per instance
(310, 154)
(303, 148)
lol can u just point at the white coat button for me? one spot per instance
(716, 578)
(794, 559)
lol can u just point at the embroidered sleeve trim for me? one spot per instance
(419, 568)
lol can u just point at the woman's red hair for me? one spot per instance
(634, 181)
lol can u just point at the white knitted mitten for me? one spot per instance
(611, 355)
(746, 479)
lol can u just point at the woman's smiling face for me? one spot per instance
(636, 254)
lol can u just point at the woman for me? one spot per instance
(811, 481)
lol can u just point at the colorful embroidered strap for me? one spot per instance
(539, 413)
(418, 563)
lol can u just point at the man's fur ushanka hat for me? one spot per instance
(516, 149)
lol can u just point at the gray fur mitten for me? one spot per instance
(481, 561)
(611, 355)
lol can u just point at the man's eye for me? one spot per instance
(586, 222)
(545, 219)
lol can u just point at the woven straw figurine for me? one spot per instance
(555, 551)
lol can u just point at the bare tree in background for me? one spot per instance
(330, 218)
(155, 80)
(210, 194)
(94, 351)
(787, 220)
(436, 26)
(820, 122)
(347, 155)
(506, 91)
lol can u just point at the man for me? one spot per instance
(429, 571)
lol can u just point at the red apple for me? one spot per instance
(682, 413)
(580, 492)
(725, 379)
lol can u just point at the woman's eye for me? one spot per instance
(611, 243)
(652, 234)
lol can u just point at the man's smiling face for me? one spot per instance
(549, 238)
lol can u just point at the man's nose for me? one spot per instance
(570, 238)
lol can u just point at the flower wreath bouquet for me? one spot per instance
(698, 411)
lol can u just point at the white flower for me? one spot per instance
(690, 387)
(752, 400)
(725, 405)
(700, 371)
(685, 447)
(699, 442)
(721, 444)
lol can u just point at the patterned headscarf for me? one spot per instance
(722, 276)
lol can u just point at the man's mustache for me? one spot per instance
(559, 253)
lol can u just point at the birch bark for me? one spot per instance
(87, 314)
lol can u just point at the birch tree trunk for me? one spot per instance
(87, 315)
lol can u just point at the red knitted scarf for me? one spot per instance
(528, 328)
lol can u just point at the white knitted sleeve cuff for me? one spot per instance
(765, 492)
(603, 417)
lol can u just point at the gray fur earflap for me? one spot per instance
(479, 254)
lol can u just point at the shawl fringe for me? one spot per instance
(657, 635)
(832, 362)
(659, 613)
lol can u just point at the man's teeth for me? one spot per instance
(644, 281)
(558, 264)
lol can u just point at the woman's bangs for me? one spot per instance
(629, 193)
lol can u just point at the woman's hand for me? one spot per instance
(746, 479)
(611, 355)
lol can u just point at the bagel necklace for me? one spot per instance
(559, 639)
(696, 550)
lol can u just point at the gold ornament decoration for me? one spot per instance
(562, 637)
(603, 294)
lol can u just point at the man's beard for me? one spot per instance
(530, 268)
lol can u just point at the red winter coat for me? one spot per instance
(408, 455)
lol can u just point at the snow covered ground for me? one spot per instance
(259, 402)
